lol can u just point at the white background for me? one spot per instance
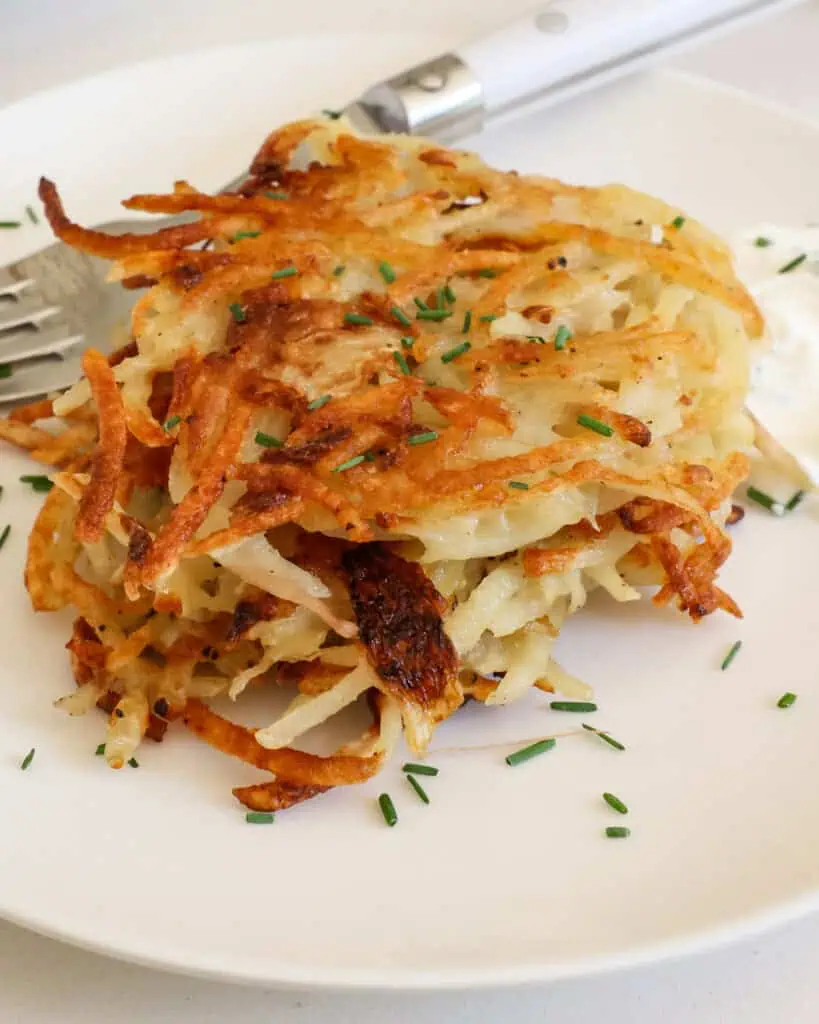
(46, 42)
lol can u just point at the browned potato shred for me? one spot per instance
(376, 440)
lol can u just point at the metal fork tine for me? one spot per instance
(24, 311)
(11, 284)
(41, 378)
(52, 340)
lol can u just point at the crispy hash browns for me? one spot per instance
(386, 416)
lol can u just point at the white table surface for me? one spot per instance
(772, 978)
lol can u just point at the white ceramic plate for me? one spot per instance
(506, 876)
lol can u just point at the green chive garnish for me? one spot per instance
(245, 234)
(527, 753)
(38, 483)
(386, 271)
(519, 485)
(433, 314)
(419, 789)
(171, 422)
(765, 500)
(423, 438)
(487, 272)
(10, 224)
(401, 359)
(332, 115)
(279, 275)
(401, 316)
(453, 353)
(358, 319)
(795, 501)
(277, 195)
(5, 371)
(615, 803)
(339, 270)
(786, 700)
(4, 535)
(763, 243)
(562, 335)
(793, 264)
(467, 322)
(407, 342)
(32, 216)
(448, 293)
(267, 440)
(536, 338)
(581, 706)
(27, 760)
(420, 303)
(318, 403)
(412, 768)
(592, 424)
(238, 312)
(100, 751)
(387, 809)
(356, 460)
(617, 832)
(132, 761)
(260, 818)
(612, 742)
(678, 222)
(729, 657)
(488, 318)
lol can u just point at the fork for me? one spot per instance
(56, 303)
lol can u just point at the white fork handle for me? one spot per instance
(566, 38)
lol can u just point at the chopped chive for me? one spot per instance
(440, 298)
(412, 768)
(10, 224)
(339, 270)
(100, 751)
(423, 438)
(386, 271)
(729, 657)
(487, 272)
(562, 335)
(267, 440)
(793, 264)
(786, 700)
(238, 312)
(592, 424)
(356, 460)
(420, 303)
(795, 501)
(527, 753)
(617, 832)
(27, 760)
(538, 339)
(401, 316)
(318, 403)
(279, 275)
(612, 742)
(132, 761)
(419, 789)
(762, 243)
(37, 483)
(260, 818)
(765, 500)
(407, 342)
(488, 318)
(678, 222)
(401, 359)
(358, 319)
(332, 115)
(581, 706)
(5, 371)
(171, 422)
(387, 809)
(519, 485)
(4, 536)
(245, 234)
(467, 322)
(449, 294)
(615, 803)
(433, 314)
(32, 216)
(453, 353)
(277, 195)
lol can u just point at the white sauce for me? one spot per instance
(785, 370)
